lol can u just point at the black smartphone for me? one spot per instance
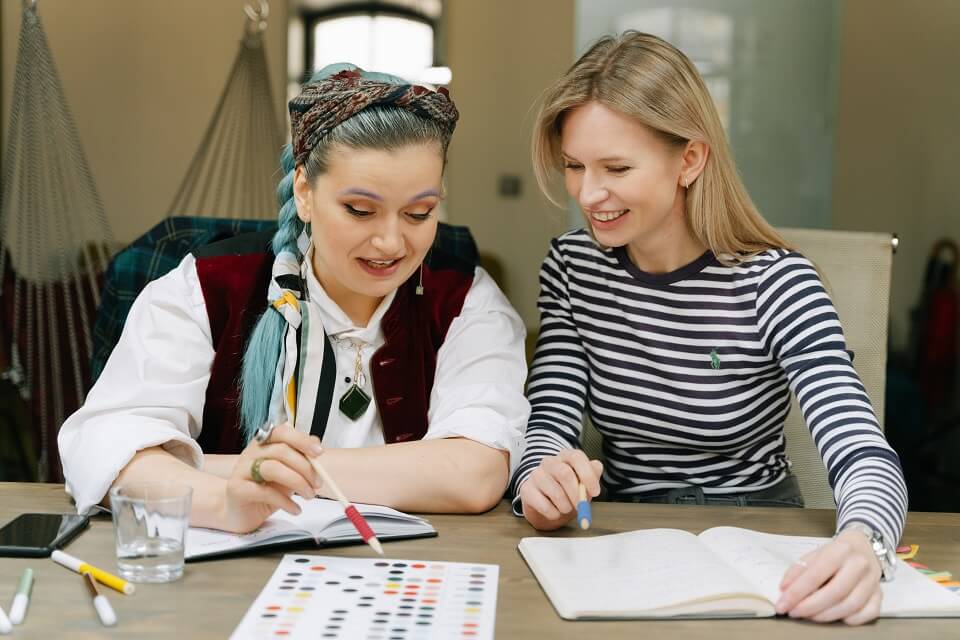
(38, 534)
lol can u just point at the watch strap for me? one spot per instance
(884, 552)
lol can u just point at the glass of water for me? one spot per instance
(150, 522)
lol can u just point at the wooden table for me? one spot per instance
(212, 597)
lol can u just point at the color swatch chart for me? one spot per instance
(374, 599)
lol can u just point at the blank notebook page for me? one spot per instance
(628, 573)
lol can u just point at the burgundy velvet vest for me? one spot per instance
(234, 276)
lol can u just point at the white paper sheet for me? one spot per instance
(331, 597)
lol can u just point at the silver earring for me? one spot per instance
(686, 182)
(419, 289)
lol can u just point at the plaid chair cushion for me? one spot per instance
(150, 256)
(165, 245)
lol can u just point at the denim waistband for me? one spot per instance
(785, 493)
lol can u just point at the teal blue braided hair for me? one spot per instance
(382, 127)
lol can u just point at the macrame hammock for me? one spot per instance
(54, 237)
(233, 173)
(54, 241)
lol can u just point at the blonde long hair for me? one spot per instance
(646, 78)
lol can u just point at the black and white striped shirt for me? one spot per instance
(688, 374)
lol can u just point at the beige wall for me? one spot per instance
(142, 79)
(897, 135)
(503, 53)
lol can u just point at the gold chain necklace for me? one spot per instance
(354, 402)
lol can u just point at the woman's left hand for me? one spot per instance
(838, 581)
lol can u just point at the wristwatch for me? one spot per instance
(886, 554)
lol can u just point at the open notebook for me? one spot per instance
(321, 521)
(723, 572)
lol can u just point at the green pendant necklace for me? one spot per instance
(355, 401)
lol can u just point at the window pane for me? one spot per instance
(391, 44)
(705, 36)
(401, 46)
(346, 39)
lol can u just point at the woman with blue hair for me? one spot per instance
(399, 363)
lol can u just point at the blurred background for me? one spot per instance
(842, 115)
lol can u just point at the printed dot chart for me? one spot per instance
(374, 599)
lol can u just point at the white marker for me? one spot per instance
(5, 625)
(20, 601)
(101, 604)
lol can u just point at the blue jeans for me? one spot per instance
(785, 493)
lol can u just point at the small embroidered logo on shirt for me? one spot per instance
(715, 359)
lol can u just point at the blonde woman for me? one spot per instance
(683, 321)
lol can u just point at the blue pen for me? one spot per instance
(583, 509)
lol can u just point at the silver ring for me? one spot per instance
(263, 433)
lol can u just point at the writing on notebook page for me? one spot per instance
(763, 559)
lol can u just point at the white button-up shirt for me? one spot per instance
(153, 387)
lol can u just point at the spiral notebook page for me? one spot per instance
(332, 597)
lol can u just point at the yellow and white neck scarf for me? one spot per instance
(288, 302)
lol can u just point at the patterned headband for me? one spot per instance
(323, 105)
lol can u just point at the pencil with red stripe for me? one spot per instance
(351, 511)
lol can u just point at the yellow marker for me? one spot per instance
(910, 554)
(81, 567)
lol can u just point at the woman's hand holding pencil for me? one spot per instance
(265, 476)
(278, 462)
(551, 494)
